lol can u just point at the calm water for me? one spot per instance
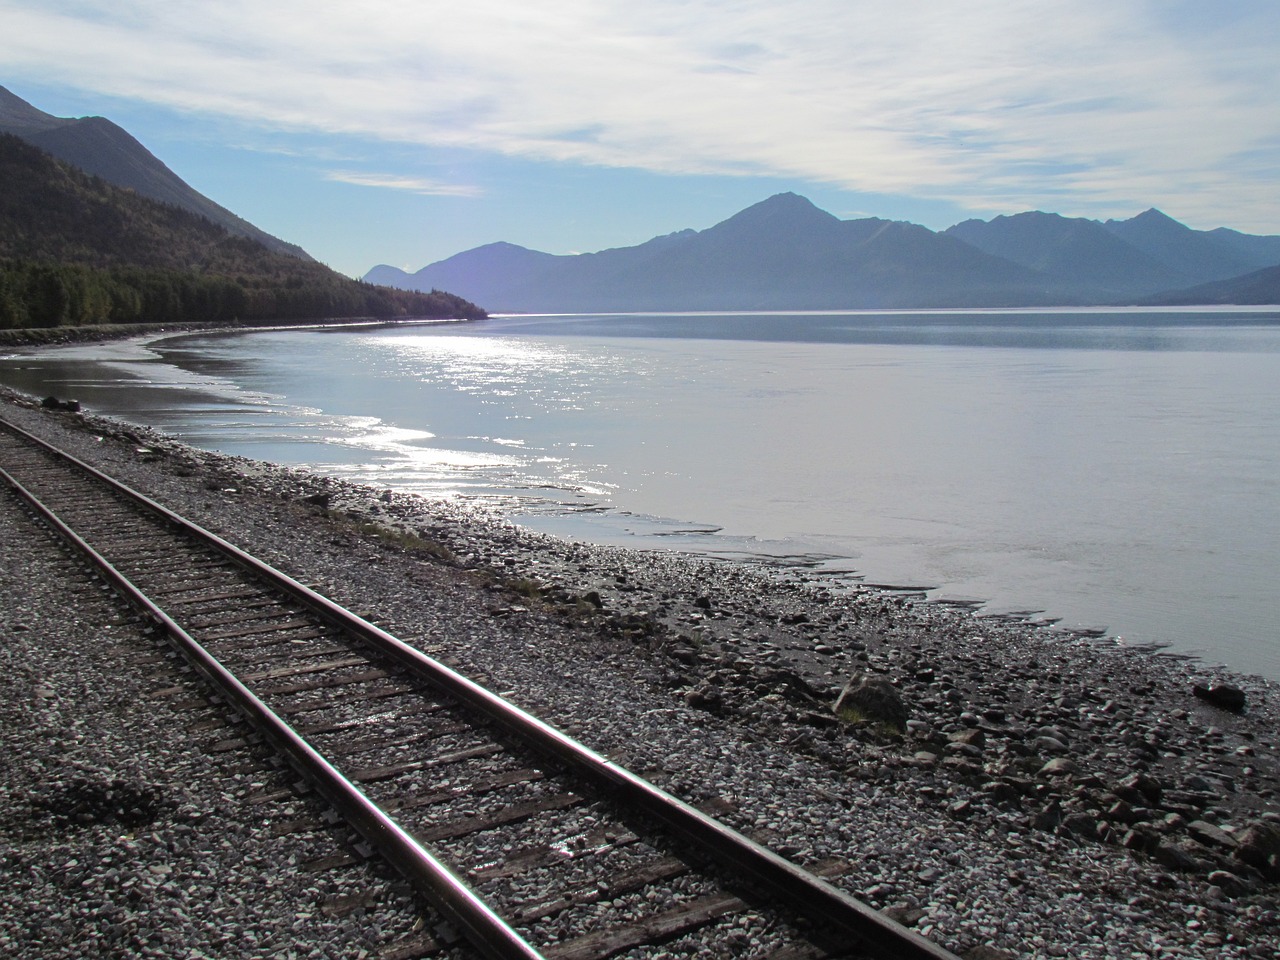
(1110, 469)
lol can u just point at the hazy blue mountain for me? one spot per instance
(497, 267)
(100, 147)
(1261, 251)
(781, 254)
(1076, 253)
(1197, 256)
(786, 254)
(1256, 288)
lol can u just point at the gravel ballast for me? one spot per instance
(1003, 788)
(119, 836)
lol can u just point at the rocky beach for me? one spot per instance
(1005, 788)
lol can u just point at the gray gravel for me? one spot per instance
(119, 837)
(1048, 795)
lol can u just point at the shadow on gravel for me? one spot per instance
(84, 801)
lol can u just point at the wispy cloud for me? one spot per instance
(390, 181)
(990, 103)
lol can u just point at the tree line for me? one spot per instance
(62, 294)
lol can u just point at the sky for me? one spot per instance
(405, 131)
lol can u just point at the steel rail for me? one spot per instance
(483, 928)
(810, 895)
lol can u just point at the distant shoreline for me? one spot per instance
(62, 336)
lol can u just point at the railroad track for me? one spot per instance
(526, 841)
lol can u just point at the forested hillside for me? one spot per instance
(75, 250)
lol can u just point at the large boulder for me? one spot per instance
(53, 403)
(1221, 695)
(874, 699)
(1258, 845)
(1140, 788)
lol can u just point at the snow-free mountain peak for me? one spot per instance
(784, 253)
(788, 212)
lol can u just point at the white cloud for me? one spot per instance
(390, 181)
(991, 103)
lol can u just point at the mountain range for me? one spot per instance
(784, 253)
(100, 147)
(780, 254)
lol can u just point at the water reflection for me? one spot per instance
(1237, 329)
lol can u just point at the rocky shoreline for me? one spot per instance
(1007, 789)
(36, 337)
(60, 336)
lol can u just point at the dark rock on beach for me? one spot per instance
(1223, 695)
(53, 403)
(1258, 845)
(874, 699)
